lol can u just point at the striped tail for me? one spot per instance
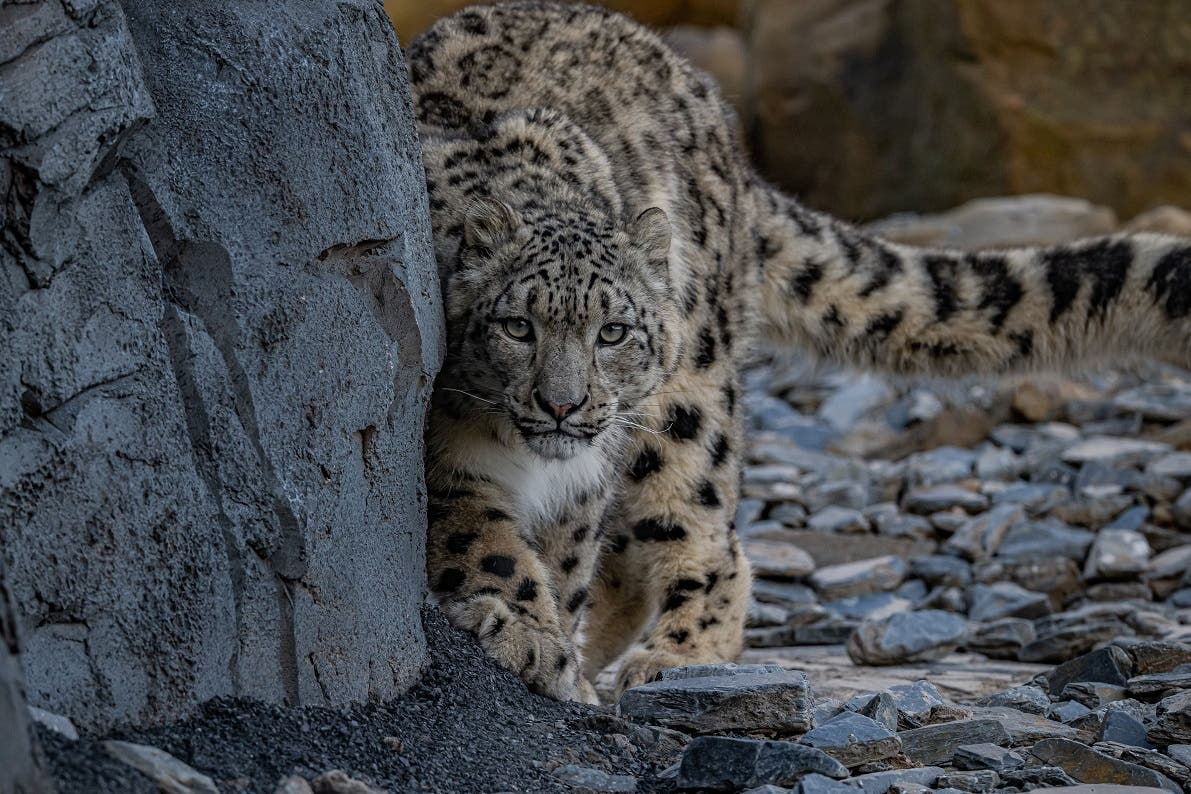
(854, 298)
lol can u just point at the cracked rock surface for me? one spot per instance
(219, 323)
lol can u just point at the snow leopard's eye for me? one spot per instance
(519, 328)
(613, 333)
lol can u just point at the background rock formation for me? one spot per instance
(219, 321)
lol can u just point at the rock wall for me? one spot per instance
(219, 324)
(868, 107)
(19, 773)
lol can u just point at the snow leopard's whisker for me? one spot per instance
(469, 394)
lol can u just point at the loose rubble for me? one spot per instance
(1055, 532)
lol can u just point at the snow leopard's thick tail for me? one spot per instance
(854, 298)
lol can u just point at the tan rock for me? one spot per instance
(1002, 223)
(1164, 220)
(1045, 399)
(868, 107)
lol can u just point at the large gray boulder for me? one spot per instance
(219, 325)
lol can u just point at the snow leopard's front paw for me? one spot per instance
(641, 666)
(541, 654)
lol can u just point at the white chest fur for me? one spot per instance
(541, 489)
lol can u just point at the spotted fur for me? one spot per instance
(581, 174)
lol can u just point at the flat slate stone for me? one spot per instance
(1089, 766)
(874, 575)
(985, 755)
(978, 781)
(772, 701)
(881, 782)
(936, 744)
(1123, 728)
(1005, 600)
(1173, 721)
(922, 636)
(1028, 698)
(933, 498)
(720, 669)
(724, 763)
(777, 560)
(818, 784)
(1109, 665)
(1157, 683)
(1026, 728)
(853, 739)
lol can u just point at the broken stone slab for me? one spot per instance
(778, 701)
(1114, 450)
(1028, 728)
(1158, 656)
(1117, 554)
(1109, 665)
(1159, 683)
(1086, 765)
(1093, 694)
(818, 784)
(872, 606)
(1149, 758)
(1044, 540)
(927, 499)
(1001, 639)
(985, 755)
(1172, 723)
(907, 637)
(718, 669)
(915, 702)
(723, 763)
(784, 594)
(834, 519)
(171, 775)
(1176, 465)
(1005, 600)
(1180, 753)
(1028, 698)
(764, 615)
(594, 779)
(882, 709)
(853, 739)
(882, 782)
(1067, 710)
(777, 560)
(1092, 722)
(1121, 727)
(1057, 643)
(768, 789)
(979, 781)
(874, 575)
(941, 570)
(980, 537)
(1035, 777)
(936, 744)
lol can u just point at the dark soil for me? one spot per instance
(468, 726)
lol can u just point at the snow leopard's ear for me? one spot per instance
(650, 232)
(489, 223)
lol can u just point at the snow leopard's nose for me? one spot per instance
(555, 410)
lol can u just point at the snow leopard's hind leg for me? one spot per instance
(672, 554)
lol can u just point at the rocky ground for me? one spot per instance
(975, 586)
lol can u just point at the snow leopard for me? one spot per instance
(608, 258)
